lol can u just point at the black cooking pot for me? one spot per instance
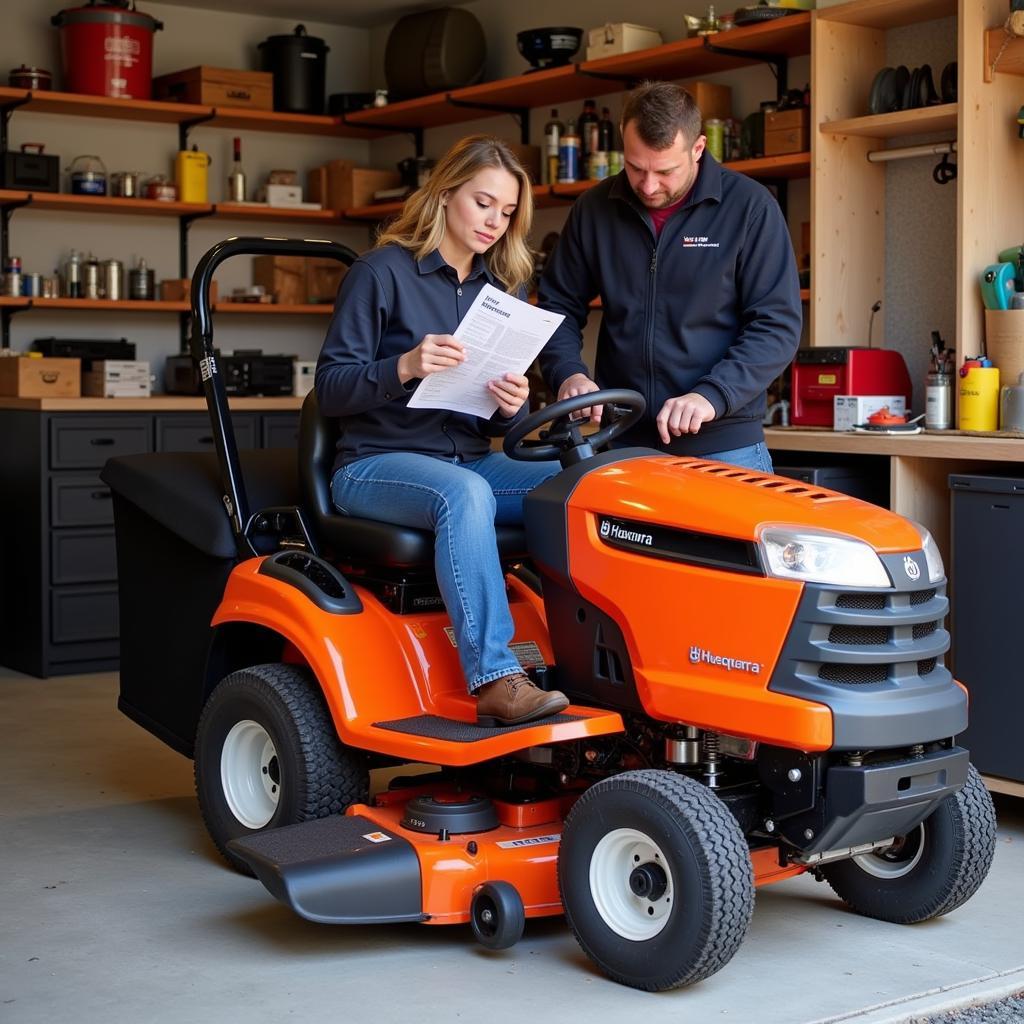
(299, 65)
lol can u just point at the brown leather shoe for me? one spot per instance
(514, 699)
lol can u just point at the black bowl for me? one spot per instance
(549, 47)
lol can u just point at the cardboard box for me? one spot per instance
(179, 289)
(303, 376)
(787, 131)
(296, 280)
(712, 100)
(1004, 342)
(849, 411)
(217, 87)
(28, 377)
(279, 195)
(342, 185)
(621, 37)
(117, 378)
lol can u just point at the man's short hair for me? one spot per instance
(659, 112)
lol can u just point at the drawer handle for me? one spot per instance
(101, 441)
(100, 495)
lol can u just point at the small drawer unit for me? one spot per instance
(193, 432)
(87, 442)
(80, 499)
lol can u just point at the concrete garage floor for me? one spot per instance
(115, 907)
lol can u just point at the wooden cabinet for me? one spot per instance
(58, 570)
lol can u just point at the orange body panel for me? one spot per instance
(526, 857)
(670, 611)
(375, 666)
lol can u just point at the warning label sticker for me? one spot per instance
(512, 844)
(378, 837)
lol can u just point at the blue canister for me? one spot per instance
(88, 176)
(569, 156)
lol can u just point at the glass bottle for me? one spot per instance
(605, 132)
(553, 131)
(588, 128)
(236, 179)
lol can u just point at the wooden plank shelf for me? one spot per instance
(110, 305)
(294, 124)
(920, 121)
(886, 14)
(260, 211)
(936, 444)
(1010, 52)
(271, 308)
(114, 204)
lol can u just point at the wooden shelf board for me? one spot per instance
(260, 211)
(1011, 60)
(121, 305)
(8, 196)
(790, 35)
(941, 444)
(788, 166)
(11, 301)
(43, 102)
(113, 204)
(886, 14)
(374, 212)
(294, 124)
(264, 308)
(901, 122)
(544, 88)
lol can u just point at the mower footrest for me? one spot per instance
(337, 870)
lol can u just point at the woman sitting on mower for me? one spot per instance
(429, 468)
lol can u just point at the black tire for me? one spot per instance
(311, 774)
(930, 871)
(676, 906)
(497, 915)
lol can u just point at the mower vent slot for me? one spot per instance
(923, 629)
(862, 602)
(921, 596)
(859, 635)
(926, 666)
(853, 675)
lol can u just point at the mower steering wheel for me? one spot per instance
(570, 445)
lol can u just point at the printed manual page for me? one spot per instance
(501, 334)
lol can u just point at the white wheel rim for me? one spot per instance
(250, 774)
(885, 865)
(612, 864)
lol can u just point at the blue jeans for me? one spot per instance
(461, 502)
(753, 456)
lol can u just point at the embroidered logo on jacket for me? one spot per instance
(698, 242)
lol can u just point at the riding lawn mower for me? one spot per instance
(755, 667)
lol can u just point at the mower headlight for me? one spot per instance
(936, 570)
(816, 556)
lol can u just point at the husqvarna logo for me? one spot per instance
(699, 654)
(611, 530)
(911, 568)
(606, 527)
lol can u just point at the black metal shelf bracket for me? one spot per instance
(521, 114)
(184, 127)
(778, 62)
(5, 226)
(6, 314)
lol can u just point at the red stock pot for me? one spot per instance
(107, 49)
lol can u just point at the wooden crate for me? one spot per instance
(217, 87)
(340, 185)
(713, 100)
(284, 277)
(323, 279)
(787, 131)
(26, 377)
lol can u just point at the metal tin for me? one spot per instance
(126, 184)
(938, 402)
(91, 284)
(26, 77)
(113, 279)
(50, 288)
(73, 276)
(141, 284)
(714, 129)
(597, 166)
(32, 285)
(12, 284)
(1011, 409)
(88, 176)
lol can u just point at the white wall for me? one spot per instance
(190, 37)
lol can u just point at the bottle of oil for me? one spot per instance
(236, 179)
(553, 132)
(589, 125)
(569, 155)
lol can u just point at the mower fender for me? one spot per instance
(344, 869)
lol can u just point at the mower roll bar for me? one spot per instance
(235, 501)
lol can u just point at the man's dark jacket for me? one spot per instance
(712, 306)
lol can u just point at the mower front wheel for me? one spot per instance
(497, 915)
(656, 879)
(267, 755)
(931, 870)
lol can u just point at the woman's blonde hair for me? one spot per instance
(420, 226)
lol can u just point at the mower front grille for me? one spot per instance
(858, 635)
(853, 675)
(926, 666)
(922, 596)
(866, 602)
(925, 629)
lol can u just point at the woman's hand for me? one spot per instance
(434, 353)
(511, 391)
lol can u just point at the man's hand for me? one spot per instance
(511, 391)
(580, 384)
(434, 353)
(683, 415)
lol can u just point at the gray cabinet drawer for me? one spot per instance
(195, 434)
(83, 614)
(86, 442)
(82, 556)
(281, 430)
(81, 499)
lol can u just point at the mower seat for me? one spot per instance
(365, 542)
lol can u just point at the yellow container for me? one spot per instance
(191, 171)
(979, 398)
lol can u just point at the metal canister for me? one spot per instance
(715, 132)
(140, 282)
(938, 402)
(91, 284)
(73, 276)
(32, 285)
(51, 288)
(979, 396)
(12, 284)
(113, 279)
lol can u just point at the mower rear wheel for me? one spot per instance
(931, 870)
(267, 755)
(497, 916)
(656, 879)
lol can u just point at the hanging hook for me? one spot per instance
(945, 171)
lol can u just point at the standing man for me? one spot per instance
(698, 284)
